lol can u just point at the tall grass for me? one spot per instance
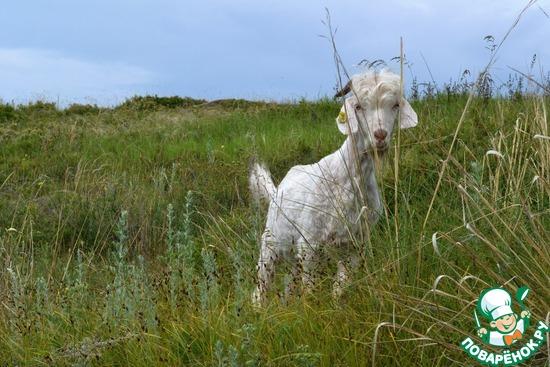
(127, 237)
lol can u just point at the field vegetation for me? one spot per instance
(127, 236)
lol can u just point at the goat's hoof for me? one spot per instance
(257, 298)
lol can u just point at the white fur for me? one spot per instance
(260, 184)
(319, 204)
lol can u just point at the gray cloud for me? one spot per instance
(250, 49)
(28, 73)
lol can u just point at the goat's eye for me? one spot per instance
(395, 106)
(358, 107)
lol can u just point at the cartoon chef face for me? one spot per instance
(505, 323)
(495, 304)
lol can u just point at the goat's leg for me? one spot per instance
(307, 258)
(343, 274)
(290, 287)
(266, 268)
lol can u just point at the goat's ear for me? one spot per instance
(408, 116)
(347, 119)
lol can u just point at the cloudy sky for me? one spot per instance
(102, 51)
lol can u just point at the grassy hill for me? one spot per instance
(127, 236)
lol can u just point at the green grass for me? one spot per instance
(130, 239)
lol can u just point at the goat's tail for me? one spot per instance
(260, 183)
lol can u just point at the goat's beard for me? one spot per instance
(380, 153)
(383, 149)
(367, 148)
(375, 152)
(380, 149)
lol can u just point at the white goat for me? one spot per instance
(320, 204)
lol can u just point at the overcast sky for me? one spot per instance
(102, 51)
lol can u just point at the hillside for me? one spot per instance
(127, 236)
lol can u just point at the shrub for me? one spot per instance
(153, 103)
(82, 109)
(7, 112)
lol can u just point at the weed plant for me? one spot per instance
(127, 236)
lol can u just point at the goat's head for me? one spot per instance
(371, 109)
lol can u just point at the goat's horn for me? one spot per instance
(344, 91)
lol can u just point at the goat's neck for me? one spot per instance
(358, 162)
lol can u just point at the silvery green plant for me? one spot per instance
(305, 358)
(241, 292)
(210, 152)
(229, 359)
(173, 260)
(160, 180)
(117, 305)
(248, 346)
(208, 285)
(180, 254)
(41, 295)
(143, 300)
(16, 289)
(130, 297)
(232, 356)
(42, 305)
(219, 353)
(173, 176)
(16, 302)
(77, 286)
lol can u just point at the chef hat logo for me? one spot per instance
(494, 303)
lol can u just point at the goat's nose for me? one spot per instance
(380, 134)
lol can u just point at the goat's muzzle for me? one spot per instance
(380, 134)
